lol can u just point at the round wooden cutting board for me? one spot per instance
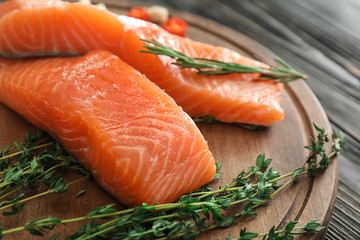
(234, 146)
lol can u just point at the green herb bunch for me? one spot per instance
(204, 209)
(25, 169)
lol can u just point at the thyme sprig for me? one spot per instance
(202, 210)
(28, 169)
(288, 232)
(205, 66)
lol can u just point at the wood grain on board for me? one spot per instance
(232, 145)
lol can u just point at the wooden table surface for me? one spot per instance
(322, 39)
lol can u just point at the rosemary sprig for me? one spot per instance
(203, 210)
(211, 119)
(205, 66)
(204, 119)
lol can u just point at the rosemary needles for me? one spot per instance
(205, 66)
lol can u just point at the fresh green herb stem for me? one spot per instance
(22, 151)
(281, 177)
(38, 177)
(105, 230)
(29, 169)
(26, 199)
(10, 192)
(205, 66)
(45, 223)
(41, 194)
(282, 187)
(203, 195)
(228, 188)
(25, 172)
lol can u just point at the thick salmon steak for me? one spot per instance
(53, 27)
(138, 143)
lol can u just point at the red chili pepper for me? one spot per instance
(140, 13)
(175, 26)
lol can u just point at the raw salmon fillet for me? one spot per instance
(138, 143)
(52, 27)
